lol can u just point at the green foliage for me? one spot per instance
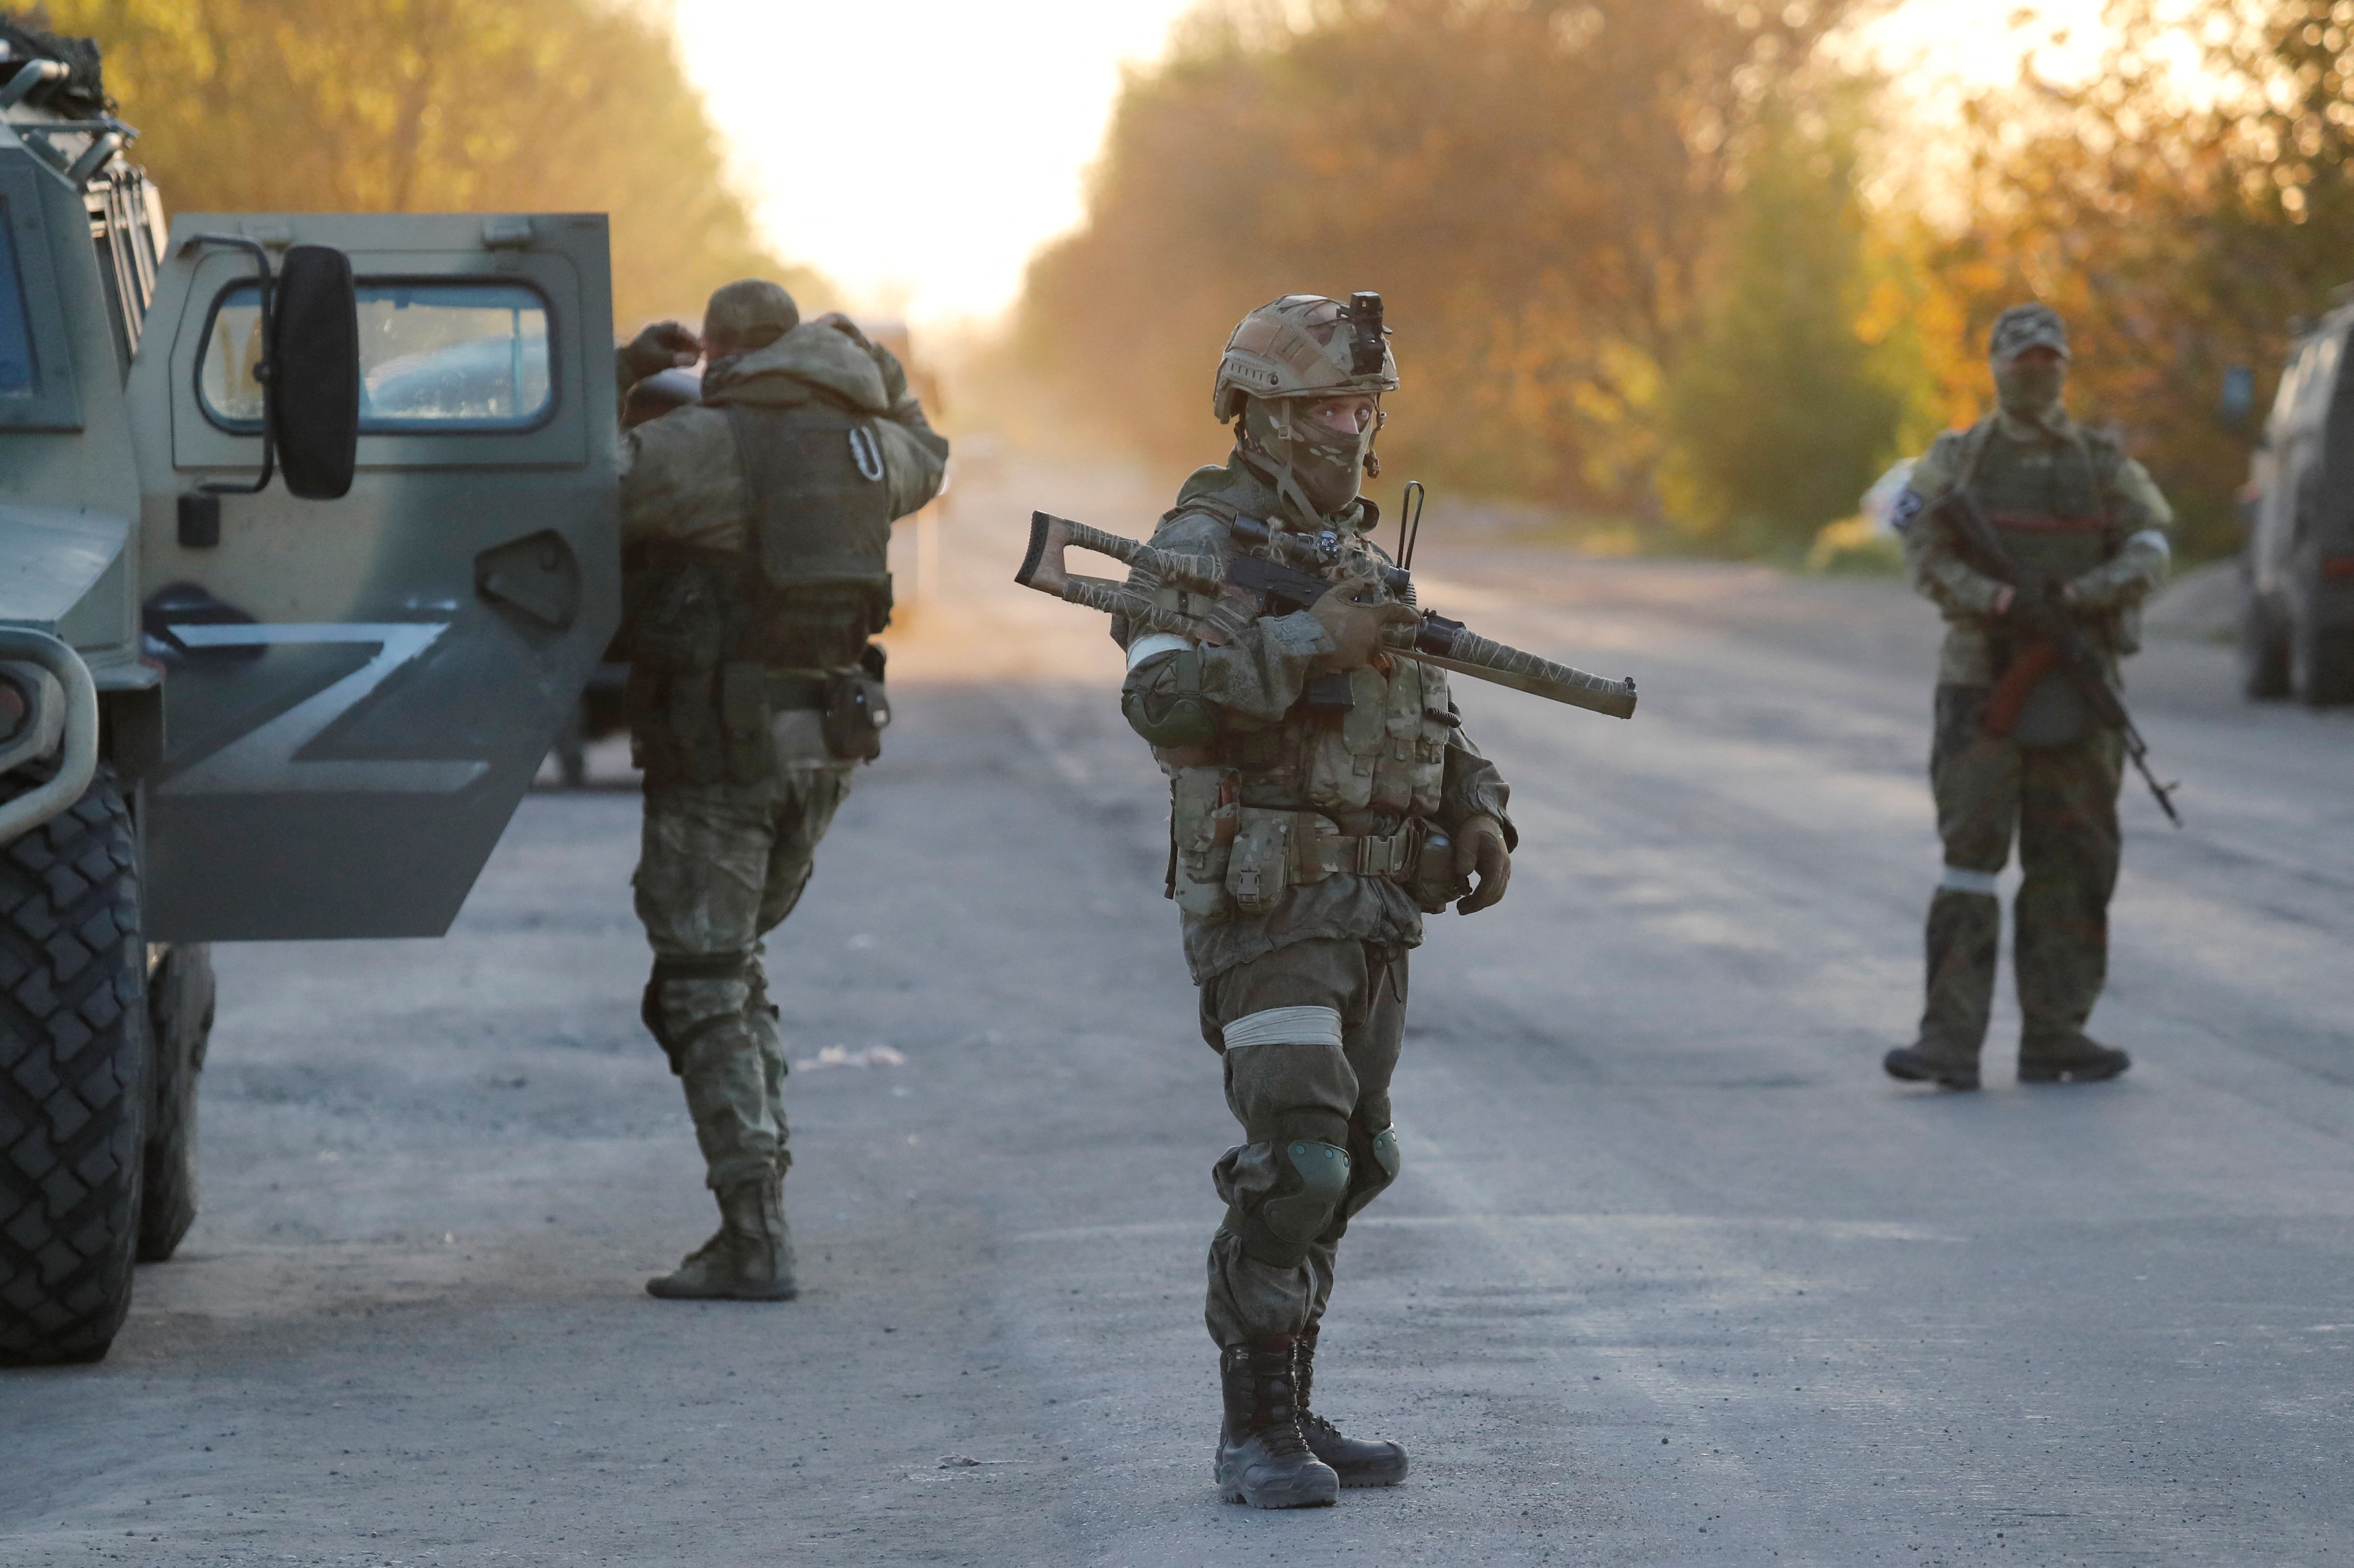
(1779, 412)
(1531, 183)
(438, 105)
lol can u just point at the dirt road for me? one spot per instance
(1673, 1274)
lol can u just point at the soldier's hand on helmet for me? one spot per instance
(1479, 847)
(1355, 627)
(663, 346)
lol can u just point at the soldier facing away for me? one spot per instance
(754, 531)
(2030, 763)
(1296, 933)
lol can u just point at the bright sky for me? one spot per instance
(918, 151)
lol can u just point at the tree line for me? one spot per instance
(1632, 261)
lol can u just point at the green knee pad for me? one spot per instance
(1281, 1229)
(1374, 1168)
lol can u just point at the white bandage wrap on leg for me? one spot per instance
(1284, 1026)
(1956, 880)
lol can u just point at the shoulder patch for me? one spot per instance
(1909, 505)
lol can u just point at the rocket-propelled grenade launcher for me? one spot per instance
(1246, 587)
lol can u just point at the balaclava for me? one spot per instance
(1316, 468)
(2030, 390)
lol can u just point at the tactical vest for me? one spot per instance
(2046, 499)
(1335, 786)
(718, 641)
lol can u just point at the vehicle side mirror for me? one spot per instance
(314, 388)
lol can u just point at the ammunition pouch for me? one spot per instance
(1203, 820)
(699, 966)
(1274, 850)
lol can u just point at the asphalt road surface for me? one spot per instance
(1673, 1274)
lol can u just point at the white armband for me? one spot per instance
(1151, 647)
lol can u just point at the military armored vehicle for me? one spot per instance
(307, 545)
(2297, 637)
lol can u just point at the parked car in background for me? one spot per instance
(2297, 638)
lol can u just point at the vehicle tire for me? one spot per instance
(2321, 665)
(2263, 650)
(179, 1025)
(73, 1047)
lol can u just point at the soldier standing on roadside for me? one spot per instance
(754, 531)
(1308, 774)
(2030, 763)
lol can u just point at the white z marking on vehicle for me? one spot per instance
(263, 761)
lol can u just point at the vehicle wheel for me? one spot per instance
(2263, 651)
(179, 1023)
(73, 1043)
(2321, 665)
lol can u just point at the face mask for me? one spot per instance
(2030, 389)
(1317, 467)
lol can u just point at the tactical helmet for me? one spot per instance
(2023, 327)
(1305, 345)
(750, 313)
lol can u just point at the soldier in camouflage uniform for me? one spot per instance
(2015, 755)
(1323, 797)
(754, 527)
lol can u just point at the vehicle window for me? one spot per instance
(17, 378)
(442, 357)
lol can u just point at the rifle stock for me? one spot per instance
(1435, 640)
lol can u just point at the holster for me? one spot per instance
(857, 709)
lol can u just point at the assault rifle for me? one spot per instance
(2056, 640)
(1244, 587)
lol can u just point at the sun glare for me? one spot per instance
(917, 150)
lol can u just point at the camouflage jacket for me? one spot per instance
(1256, 682)
(2129, 557)
(683, 479)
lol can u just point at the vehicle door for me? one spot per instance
(356, 693)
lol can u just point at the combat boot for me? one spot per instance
(1263, 1460)
(1929, 1064)
(1358, 1461)
(2069, 1059)
(748, 1258)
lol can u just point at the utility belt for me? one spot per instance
(1227, 858)
(714, 725)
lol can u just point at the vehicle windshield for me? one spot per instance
(15, 327)
(449, 356)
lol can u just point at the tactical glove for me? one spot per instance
(1356, 628)
(1479, 846)
(663, 346)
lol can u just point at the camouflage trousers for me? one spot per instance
(721, 866)
(2061, 803)
(1310, 1033)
